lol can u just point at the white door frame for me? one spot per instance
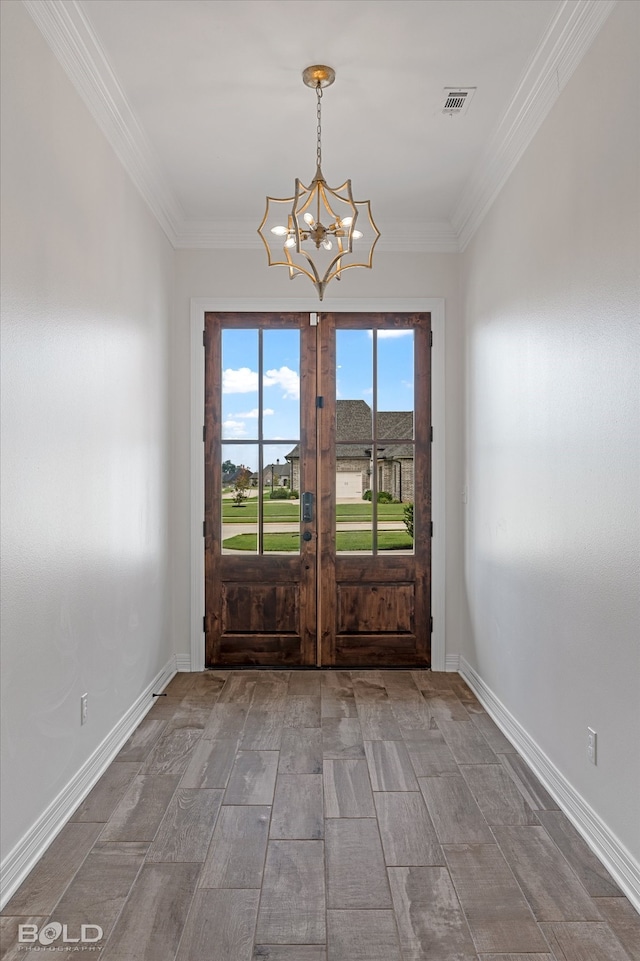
(434, 305)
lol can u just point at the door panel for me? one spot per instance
(260, 601)
(374, 605)
(349, 586)
(383, 608)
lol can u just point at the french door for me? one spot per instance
(317, 489)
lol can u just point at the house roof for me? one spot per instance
(354, 423)
(280, 470)
(231, 476)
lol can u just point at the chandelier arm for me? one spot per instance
(297, 268)
(340, 270)
(316, 276)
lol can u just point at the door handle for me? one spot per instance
(307, 507)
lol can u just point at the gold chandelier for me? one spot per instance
(317, 232)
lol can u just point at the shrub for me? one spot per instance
(384, 497)
(408, 519)
(283, 494)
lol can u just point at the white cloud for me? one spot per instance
(285, 378)
(385, 334)
(234, 428)
(244, 381)
(368, 390)
(253, 414)
(241, 381)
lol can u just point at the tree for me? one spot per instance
(240, 490)
(229, 467)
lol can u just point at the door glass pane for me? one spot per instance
(240, 384)
(239, 498)
(281, 384)
(354, 385)
(281, 510)
(395, 500)
(353, 511)
(395, 384)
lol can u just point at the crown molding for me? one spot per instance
(563, 46)
(429, 237)
(72, 39)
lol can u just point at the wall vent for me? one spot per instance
(457, 99)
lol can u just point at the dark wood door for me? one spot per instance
(375, 600)
(260, 396)
(339, 575)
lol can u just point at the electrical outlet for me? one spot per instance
(592, 741)
(83, 708)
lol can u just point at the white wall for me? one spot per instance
(551, 304)
(87, 286)
(244, 275)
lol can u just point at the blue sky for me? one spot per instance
(281, 383)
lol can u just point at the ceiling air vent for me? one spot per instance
(456, 99)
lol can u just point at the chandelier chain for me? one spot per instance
(319, 125)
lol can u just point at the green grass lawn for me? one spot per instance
(248, 512)
(290, 511)
(345, 541)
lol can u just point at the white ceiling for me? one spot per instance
(204, 101)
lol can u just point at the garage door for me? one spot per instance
(348, 484)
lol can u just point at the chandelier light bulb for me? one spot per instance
(280, 231)
(356, 234)
(308, 219)
(290, 242)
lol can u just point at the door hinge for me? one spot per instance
(431, 625)
(313, 320)
(430, 338)
(204, 624)
(431, 529)
(204, 528)
(204, 338)
(204, 433)
(432, 435)
(319, 401)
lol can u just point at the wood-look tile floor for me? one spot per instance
(323, 816)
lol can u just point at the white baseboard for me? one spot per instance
(452, 663)
(35, 842)
(620, 863)
(183, 662)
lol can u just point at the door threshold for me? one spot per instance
(314, 667)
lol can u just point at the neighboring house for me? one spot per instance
(354, 458)
(229, 478)
(277, 475)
